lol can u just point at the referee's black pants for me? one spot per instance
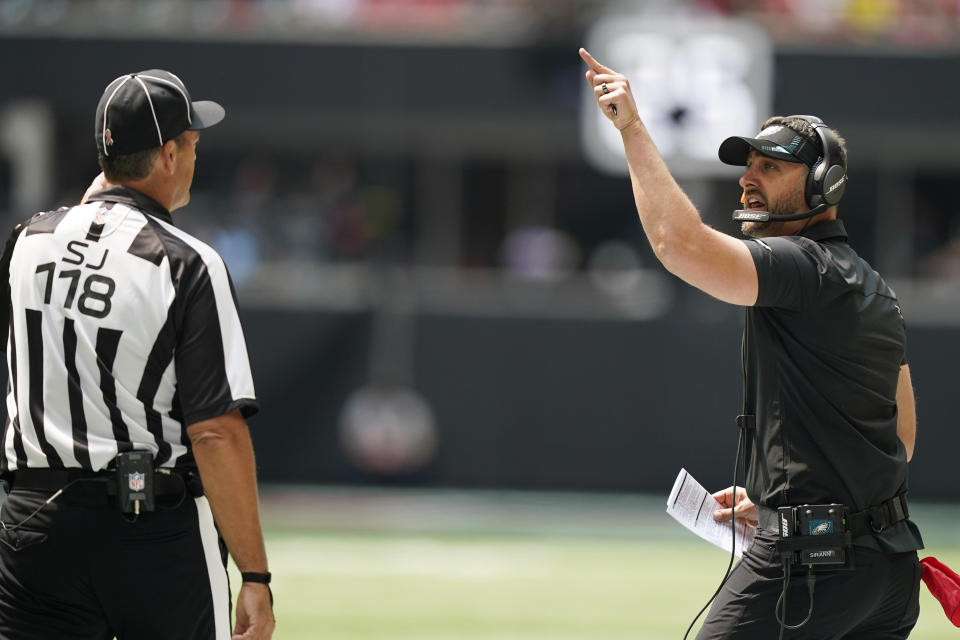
(876, 599)
(80, 569)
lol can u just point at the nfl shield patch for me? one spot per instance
(136, 481)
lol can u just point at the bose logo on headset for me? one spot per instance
(837, 184)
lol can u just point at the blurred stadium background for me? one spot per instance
(477, 383)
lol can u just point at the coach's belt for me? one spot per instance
(872, 520)
(165, 484)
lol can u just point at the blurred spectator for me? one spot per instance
(253, 205)
(909, 23)
(903, 22)
(943, 262)
(540, 253)
(870, 17)
(615, 267)
(240, 251)
(332, 13)
(936, 226)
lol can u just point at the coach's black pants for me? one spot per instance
(81, 570)
(876, 599)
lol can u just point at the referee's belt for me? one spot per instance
(172, 483)
(869, 521)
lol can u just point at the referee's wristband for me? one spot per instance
(259, 578)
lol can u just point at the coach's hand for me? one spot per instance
(254, 613)
(612, 91)
(745, 510)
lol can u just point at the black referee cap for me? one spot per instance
(143, 110)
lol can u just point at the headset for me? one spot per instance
(826, 181)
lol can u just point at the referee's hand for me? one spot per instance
(99, 183)
(254, 613)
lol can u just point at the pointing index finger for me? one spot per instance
(592, 62)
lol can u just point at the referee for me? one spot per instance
(127, 460)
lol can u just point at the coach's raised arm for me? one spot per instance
(707, 259)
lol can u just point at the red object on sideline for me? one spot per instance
(944, 584)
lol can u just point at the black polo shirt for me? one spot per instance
(823, 349)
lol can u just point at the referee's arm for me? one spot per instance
(224, 455)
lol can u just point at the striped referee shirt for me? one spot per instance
(123, 332)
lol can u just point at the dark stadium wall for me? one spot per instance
(286, 93)
(549, 404)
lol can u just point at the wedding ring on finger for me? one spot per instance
(603, 87)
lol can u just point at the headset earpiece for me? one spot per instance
(827, 179)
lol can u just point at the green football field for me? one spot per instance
(439, 566)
